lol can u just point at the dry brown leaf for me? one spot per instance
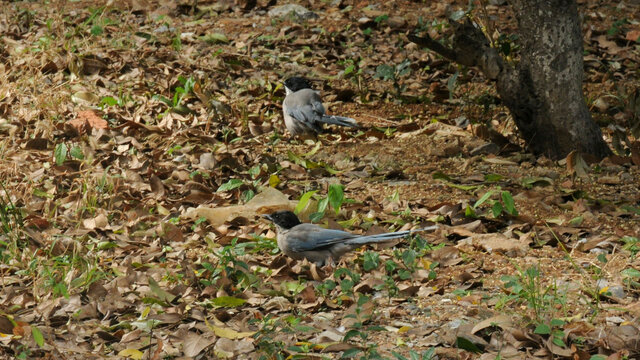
(502, 321)
(633, 35)
(98, 222)
(499, 243)
(229, 333)
(635, 153)
(156, 186)
(576, 165)
(194, 344)
(6, 326)
(149, 163)
(611, 46)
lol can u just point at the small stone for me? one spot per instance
(617, 292)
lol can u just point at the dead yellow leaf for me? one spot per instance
(228, 333)
(131, 354)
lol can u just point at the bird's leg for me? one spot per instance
(328, 266)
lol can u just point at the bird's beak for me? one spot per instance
(267, 216)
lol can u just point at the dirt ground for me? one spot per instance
(121, 121)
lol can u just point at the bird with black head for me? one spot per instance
(300, 240)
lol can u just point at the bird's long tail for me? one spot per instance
(386, 236)
(339, 120)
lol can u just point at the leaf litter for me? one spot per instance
(142, 139)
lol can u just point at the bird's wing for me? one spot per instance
(307, 113)
(321, 115)
(303, 114)
(308, 237)
(317, 106)
(305, 105)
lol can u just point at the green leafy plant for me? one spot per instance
(389, 283)
(176, 42)
(408, 260)
(270, 326)
(230, 272)
(553, 329)
(631, 277)
(267, 346)
(176, 104)
(528, 286)
(507, 44)
(414, 355)
(405, 262)
(631, 244)
(60, 153)
(352, 70)
(11, 227)
(120, 101)
(346, 280)
(618, 26)
(93, 20)
(230, 185)
(371, 260)
(395, 74)
(381, 19)
(326, 287)
(358, 330)
(303, 161)
(504, 204)
(334, 199)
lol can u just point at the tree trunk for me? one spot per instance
(544, 91)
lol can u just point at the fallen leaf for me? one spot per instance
(229, 333)
(502, 321)
(134, 354)
(194, 344)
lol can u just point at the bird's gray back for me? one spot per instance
(303, 97)
(312, 237)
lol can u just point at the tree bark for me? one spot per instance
(544, 91)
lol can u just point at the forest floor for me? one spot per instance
(141, 140)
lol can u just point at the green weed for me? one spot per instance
(504, 204)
